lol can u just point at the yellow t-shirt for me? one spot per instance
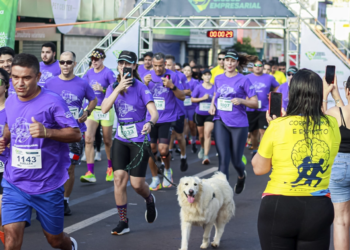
(214, 72)
(299, 169)
(280, 77)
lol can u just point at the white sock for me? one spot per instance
(183, 156)
(66, 199)
(156, 179)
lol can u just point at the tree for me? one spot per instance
(245, 47)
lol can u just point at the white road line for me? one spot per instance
(88, 222)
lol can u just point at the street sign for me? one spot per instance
(220, 34)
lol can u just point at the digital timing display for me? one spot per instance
(220, 33)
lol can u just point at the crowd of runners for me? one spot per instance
(146, 113)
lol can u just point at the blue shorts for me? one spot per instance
(189, 114)
(17, 207)
(339, 184)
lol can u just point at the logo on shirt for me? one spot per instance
(158, 90)
(68, 96)
(45, 75)
(68, 114)
(258, 86)
(226, 91)
(148, 92)
(310, 159)
(20, 130)
(124, 108)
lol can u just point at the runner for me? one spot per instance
(131, 99)
(99, 78)
(178, 67)
(263, 84)
(284, 88)
(190, 107)
(178, 126)
(146, 68)
(4, 86)
(267, 68)
(49, 67)
(203, 95)
(6, 57)
(73, 90)
(219, 69)
(231, 122)
(279, 76)
(41, 127)
(165, 91)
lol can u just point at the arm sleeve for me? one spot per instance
(274, 83)
(109, 91)
(111, 78)
(266, 144)
(249, 88)
(146, 95)
(89, 92)
(195, 93)
(62, 115)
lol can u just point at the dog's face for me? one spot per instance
(190, 187)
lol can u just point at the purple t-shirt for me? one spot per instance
(181, 79)
(104, 78)
(11, 89)
(131, 107)
(164, 98)
(262, 85)
(191, 85)
(37, 165)
(203, 106)
(284, 89)
(73, 92)
(4, 156)
(142, 71)
(48, 71)
(226, 89)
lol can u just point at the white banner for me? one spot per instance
(65, 11)
(315, 55)
(130, 41)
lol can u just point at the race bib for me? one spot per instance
(160, 104)
(26, 158)
(187, 102)
(74, 111)
(259, 104)
(224, 104)
(204, 106)
(98, 115)
(2, 166)
(129, 130)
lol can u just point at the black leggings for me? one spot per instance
(295, 222)
(230, 144)
(98, 138)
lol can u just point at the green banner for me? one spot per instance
(8, 14)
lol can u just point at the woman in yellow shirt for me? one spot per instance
(296, 211)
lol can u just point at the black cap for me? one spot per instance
(293, 70)
(232, 53)
(128, 56)
(206, 71)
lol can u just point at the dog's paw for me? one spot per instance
(204, 245)
(215, 245)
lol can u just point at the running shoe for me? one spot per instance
(194, 148)
(184, 165)
(206, 160)
(177, 150)
(240, 185)
(187, 142)
(201, 153)
(168, 174)
(98, 156)
(151, 211)
(122, 228)
(67, 210)
(155, 185)
(83, 158)
(244, 159)
(88, 177)
(110, 175)
(74, 243)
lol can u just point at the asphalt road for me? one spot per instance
(94, 214)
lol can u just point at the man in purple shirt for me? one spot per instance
(38, 133)
(284, 88)
(145, 69)
(49, 67)
(263, 84)
(73, 90)
(6, 57)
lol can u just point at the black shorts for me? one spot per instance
(178, 125)
(1, 189)
(162, 132)
(76, 151)
(257, 120)
(201, 119)
(122, 153)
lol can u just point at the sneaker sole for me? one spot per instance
(125, 231)
(206, 162)
(156, 189)
(75, 243)
(154, 198)
(87, 180)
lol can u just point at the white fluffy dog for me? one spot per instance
(206, 203)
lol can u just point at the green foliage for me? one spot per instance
(245, 47)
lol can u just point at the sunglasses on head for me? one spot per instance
(258, 65)
(220, 59)
(69, 62)
(290, 74)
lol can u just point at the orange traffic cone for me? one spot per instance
(2, 237)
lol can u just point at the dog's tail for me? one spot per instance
(219, 175)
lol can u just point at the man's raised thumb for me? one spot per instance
(33, 120)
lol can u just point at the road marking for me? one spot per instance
(88, 222)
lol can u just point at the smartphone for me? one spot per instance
(127, 70)
(167, 76)
(275, 104)
(330, 74)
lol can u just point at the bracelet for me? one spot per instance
(89, 112)
(152, 124)
(325, 101)
(44, 131)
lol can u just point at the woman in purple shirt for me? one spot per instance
(233, 92)
(131, 99)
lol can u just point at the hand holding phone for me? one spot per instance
(330, 74)
(127, 71)
(275, 104)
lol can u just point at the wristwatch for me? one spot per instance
(175, 88)
(89, 112)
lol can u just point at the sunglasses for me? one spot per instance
(69, 62)
(220, 59)
(95, 59)
(290, 74)
(258, 65)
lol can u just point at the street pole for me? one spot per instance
(215, 51)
